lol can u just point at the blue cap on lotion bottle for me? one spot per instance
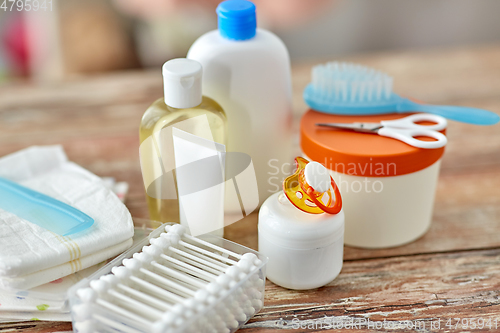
(237, 20)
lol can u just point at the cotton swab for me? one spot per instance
(124, 273)
(107, 294)
(181, 231)
(146, 298)
(111, 323)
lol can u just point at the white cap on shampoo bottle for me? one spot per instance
(182, 83)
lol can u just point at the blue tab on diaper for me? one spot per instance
(41, 209)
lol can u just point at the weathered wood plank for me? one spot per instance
(417, 288)
(36, 326)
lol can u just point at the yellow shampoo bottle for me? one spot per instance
(182, 107)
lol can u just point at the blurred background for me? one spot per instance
(63, 38)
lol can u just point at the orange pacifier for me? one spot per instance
(310, 188)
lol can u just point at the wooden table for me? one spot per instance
(451, 272)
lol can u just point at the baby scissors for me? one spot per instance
(404, 129)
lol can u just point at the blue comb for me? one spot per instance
(41, 209)
(349, 89)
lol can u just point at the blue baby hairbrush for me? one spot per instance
(349, 89)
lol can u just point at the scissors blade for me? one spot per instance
(357, 127)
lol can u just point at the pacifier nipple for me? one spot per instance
(317, 176)
(312, 189)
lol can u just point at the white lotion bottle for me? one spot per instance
(247, 70)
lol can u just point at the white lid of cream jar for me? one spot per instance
(285, 226)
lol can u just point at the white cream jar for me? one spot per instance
(305, 250)
(387, 186)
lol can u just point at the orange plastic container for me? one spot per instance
(387, 186)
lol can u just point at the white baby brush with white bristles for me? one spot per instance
(177, 283)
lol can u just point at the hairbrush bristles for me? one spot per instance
(345, 82)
